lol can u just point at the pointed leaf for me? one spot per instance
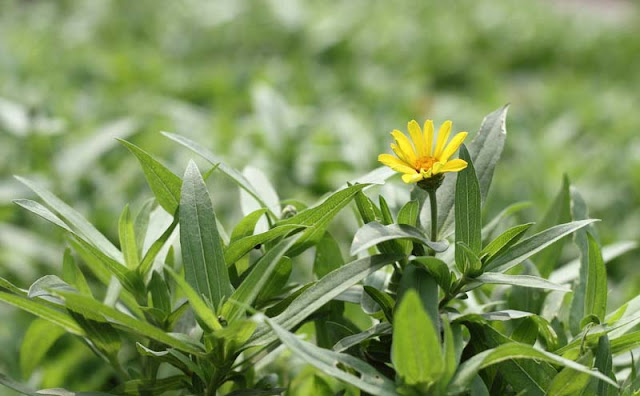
(202, 253)
(530, 246)
(369, 379)
(164, 183)
(374, 233)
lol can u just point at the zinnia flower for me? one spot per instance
(420, 161)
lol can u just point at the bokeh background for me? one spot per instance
(307, 91)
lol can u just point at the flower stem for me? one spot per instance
(434, 214)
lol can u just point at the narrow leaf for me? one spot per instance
(369, 379)
(128, 239)
(164, 183)
(326, 289)
(467, 209)
(374, 233)
(242, 246)
(202, 253)
(530, 246)
(520, 280)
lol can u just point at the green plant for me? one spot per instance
(464, 309)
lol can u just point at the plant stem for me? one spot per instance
(434, 214)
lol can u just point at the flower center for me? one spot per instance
(424, 163)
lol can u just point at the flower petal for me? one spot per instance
(405, 146)
(414, 178)
(396, 164)
(428, 136)
(455, 165)
(452, 146)
(443, 136)
(437, 166)
(418, 138)
(399, 152)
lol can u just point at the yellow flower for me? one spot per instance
(422, 161)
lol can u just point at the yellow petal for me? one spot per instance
(443, 136)
(414, 178)
(418, 138)
(399, 153)
(437, 166)
(428, 136)
(405, 146)
(396, 164)
(454, 166)
(452, 146)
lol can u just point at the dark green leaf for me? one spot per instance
(467, 209)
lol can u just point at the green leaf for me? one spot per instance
(368, 210)
(202, 254)
(72, 274)
(485, 150)
(141, 224)
(558, 213)
(418, 279)
(248, 290)
(147, 261)
(491, 226)
(355, 339)
(504, 241)
(408, 215)
(101, 334)
(85, 228)
(383, 300)
(245, 227)
(328, 256)
(128, 239)
(438, 269)
(317, 295)
(577, 313)
(570, 271)
(467, 209)
(369, 379)
(317, 218)
(16, 386)
(159, 291)
(128, 322)
(275, 283)
(98, 268)
(207, 316)
(415, 339)
(568, 382)
(530, 246)
(129, 279)
(596, 282)
(604, 364)
(234, 174)
(467, 261)
(472, 366)
(374, 233)
(242, 246)
(156, 386)
(164, 183)
(40, 210)
(43, 311)
(38, 339)
(520, 280)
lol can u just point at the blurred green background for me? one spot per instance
(307, 91)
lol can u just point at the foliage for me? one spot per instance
(180, 314)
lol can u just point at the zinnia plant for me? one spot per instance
(203, 308)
